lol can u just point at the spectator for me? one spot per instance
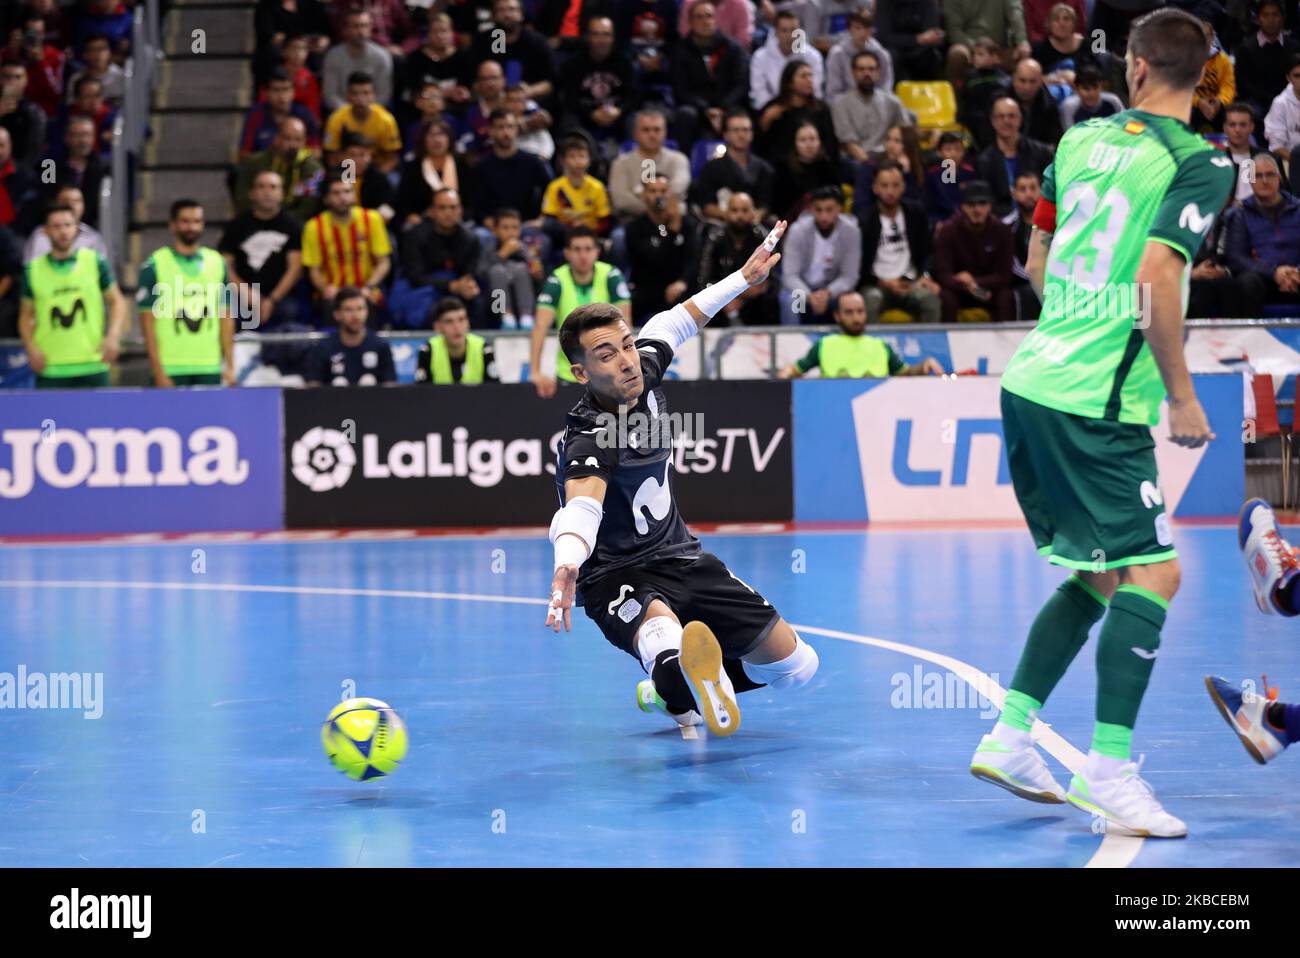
(1264, 56)
(944, 181)
(1239, 129)
(804, 171)
(57, 33)
(1218, 87)
(19, 193)
(771, 58)
(968, 20)
(38, 244)
(351, 355)
(81, 166)
(985, 82)
(839, 62)
(188, 329)
(356, 54)
(1282, 125)
(562, 22)
(822, 258)
(345, 245)
(662, 250)
(851, 353)
(651, 29)
(1042, 118)
(263, 253)
(99, 65)
(726, 248)
(440, 255)
(454, 355)
(827, 21)
(1088, 102)
(306, 88)
(903, 148)
(44, 63)
(710, 74)
(88, 100)
(1021, 220)
(391, 25)
(1038, 19)
(576, 198)
(1212, 290)
(263, 120)
(430, 106)
(912, 32)
(1262, 245)
(299, 170)
(794, 106)
(896, 251)
(509, 271)
(24, 120)
(525, 55)
(596, 85)
(110, 18)
(862, 115)
(362, 115)
(1009, 153)
(71, 315)
(435, 166)
(582, 279)
(626, 173)
(277, 22)
(508, 176)
(441, 61)
(475, 134)
(973, 259)
(738, 170)
(735, 19)
(374, 190)
(534, 123)
(1063, 52)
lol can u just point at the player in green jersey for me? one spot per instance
(1125, 206)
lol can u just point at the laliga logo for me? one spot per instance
(323, 459)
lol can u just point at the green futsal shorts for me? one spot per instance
(1089, 488)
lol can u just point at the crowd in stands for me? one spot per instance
(491, 164)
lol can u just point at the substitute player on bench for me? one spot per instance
(1125, 205)
(621, 547)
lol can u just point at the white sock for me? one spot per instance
(526, 321)
(1009, 735)
(508, 321)
(1103, 766)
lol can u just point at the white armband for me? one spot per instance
(573, 530)
(711, 299)
(672, 326)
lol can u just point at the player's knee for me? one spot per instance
(1162, 578)
(794, 671)
(657, 634)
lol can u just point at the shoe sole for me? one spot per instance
(995, 777)
(701, 664)
(1086, 806)
(1222, 706)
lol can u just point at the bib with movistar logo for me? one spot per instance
(471, 373)
(69, 306)
(853, 357)
(571, 297)
(187, 312)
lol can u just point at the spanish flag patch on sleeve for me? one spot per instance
(1133, 126)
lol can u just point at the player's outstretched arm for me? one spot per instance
(1040, 242)
(1160, 317)
(573, 533)
(710, 301)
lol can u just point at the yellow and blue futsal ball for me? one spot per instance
(364, 738)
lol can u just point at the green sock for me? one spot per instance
(1126, 654)
(1055, 638)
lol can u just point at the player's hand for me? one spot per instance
(36, 359)
(163, 381)
(931, 367)
(1188, 425)
(762, 260)
(110, 349)
(563, 586)
(228, 376)
(545, 384)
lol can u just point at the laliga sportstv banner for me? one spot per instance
(140, 461)
(485, 455)
(922, 449)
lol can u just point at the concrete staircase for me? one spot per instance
(205, 86)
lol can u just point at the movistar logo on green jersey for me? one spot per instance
(74, 315)
(1191, 218)
(184, 320)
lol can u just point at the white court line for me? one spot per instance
(1116, 851)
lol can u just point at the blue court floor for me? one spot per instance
(527, 747)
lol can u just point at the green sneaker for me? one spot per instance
(648, 700)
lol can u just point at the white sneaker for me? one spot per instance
(1247, 714)
(1127, 800)
(701, 664)
(1270, 559)
(1021, 771)
(649, 700)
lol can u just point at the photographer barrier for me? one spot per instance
(917, 449)
(485, 455)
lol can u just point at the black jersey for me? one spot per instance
(634, 455)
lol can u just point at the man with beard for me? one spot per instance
(67, 295)
(263, 253)
(596, 86)
(188, 329)
(863, 115)
(726, 248)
